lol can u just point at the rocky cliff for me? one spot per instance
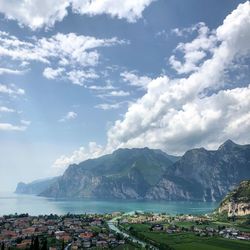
(200, 174)
(205, 175)
(124, 174)
(237, 202)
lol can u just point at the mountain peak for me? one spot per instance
(227, 144)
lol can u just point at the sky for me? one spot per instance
(81, 78)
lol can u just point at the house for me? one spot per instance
(86, 235)
(102, 243)
(86, 244)
(157, 227)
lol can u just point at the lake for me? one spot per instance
(14, 203)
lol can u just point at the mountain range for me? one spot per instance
(148, 174)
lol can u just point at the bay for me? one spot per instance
(34, 205)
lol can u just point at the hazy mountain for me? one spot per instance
(35, 187)
(200, 174)
(237, 202)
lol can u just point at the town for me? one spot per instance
(133, 230)
(57, 232)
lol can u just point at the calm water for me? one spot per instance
(12, 203)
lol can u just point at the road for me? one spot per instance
(114, 228)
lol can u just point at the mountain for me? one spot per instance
(237, 202)
(35, 187)
(143, 173)
(204, 175)
(124, 174)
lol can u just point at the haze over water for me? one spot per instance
(33, 205)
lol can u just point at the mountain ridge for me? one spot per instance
(143, 173)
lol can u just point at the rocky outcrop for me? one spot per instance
(205, 175)
(237, 202)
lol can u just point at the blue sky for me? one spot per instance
(79, 79)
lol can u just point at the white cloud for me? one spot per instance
(129, 9)
(194, 51)
(11, 127)
(92, 151)
(118, 93)
(113, 93)
(11, 90)
(109, 106)
(51, 73)
(11, 71)
(25, 122)
(36, 14)
(69, 53)
(66, 49)
(69, 116)
(6, 110)
(78, 77)
(135, 80)
(175, 114)
(187, 30)
(108, 86)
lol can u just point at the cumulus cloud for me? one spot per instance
(92, 151)
(69, 116)
(134, 80)
(78, 77)
(51, 73)
(194, 51)
(11, 90)
(129, 9)
(176, 114)
(36, 14)
(6, 109)
(187, 30)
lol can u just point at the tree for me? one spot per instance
(63, 245)
(36, 243)
(32, 243)
(44, 246)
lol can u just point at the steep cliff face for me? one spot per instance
(205, 175)
(200, 174)
(125, 174)
(237, 202)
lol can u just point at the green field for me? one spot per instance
(188, 241)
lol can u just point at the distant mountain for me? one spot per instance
(237, 202)
(124, 174)
(204, 175)
(143, 173)
(35, 187)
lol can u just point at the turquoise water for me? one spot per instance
(13, 203)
